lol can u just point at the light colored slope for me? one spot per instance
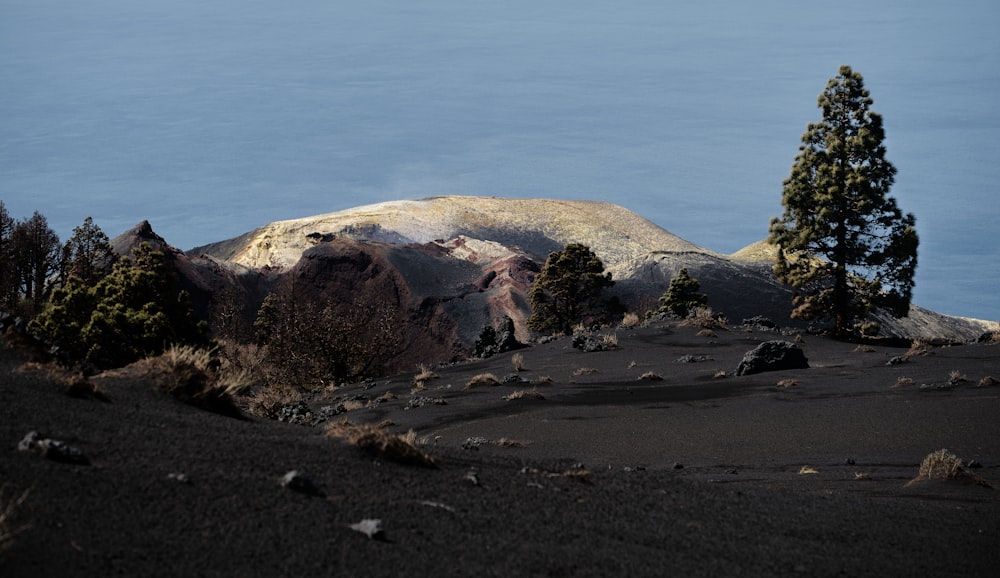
(536, 226)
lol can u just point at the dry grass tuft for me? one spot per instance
(720, 374)
(650, 376)
(707, 333)
(585, 371)
(424, 374)
(987, 381)
(532, 393)
(481, 380)
(189, 374)
(808, 470)
(902, 381)
(918, 347)
(517, 360)
(862, 476)
(8, 509)
(268, 401)
(609, 340)
(380, 442)
(956, 377)
(862, 348)
(944, 465)
(544, 379)
(788, 382)
(509, 443)
(630, 321)
(580, 475)
(704, 318)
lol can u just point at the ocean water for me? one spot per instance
(212, 117)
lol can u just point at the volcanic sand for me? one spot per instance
(697, 473)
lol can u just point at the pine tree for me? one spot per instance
(682, 295)
(844, 245)
(89, 255)
(568, 288)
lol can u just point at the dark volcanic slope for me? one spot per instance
(739, 506)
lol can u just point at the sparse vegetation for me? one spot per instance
(268, 401)
(518, 361)
(382, 443)
(720, 374)
(988, 380)
(651, 376)
(584, 371)
(804, 470)
(918, 347)
(788, 382)
(424, 374)
(704, 318)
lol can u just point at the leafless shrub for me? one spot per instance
(382, 443)
(651, 376)
(609, 340)
(518, 361)
(482, 379)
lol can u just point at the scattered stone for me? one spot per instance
(692, 358)
(896, 360)
(370, 527)
(472, 477)
(759, 322)
(678, 466)
(513, 378)
(849, 461)
(180, 478)
(772, 356)
(298, 482)
(973, 465)
(474, 442)
(51, 449)
(296, 413)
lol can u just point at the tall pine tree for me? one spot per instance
(843, 243)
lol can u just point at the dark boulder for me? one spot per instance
(772, 356)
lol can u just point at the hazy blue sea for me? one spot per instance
(212, 117)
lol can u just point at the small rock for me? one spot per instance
(849, 461)
(51, 449)
(896, 360)
(370, 527)
(772, 356)
(296, 481)
(678, 466)
(973, 465)
(179, 478)
(472, 478)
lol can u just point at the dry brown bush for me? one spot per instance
(988, 380)
(268, 401)
(944, 465)
(630, 321)
(704, 318)
(481, 380)
(518, 361)
(188, 374)
(532, 393)
(903, 381)
(380, 442)
(918, 347)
